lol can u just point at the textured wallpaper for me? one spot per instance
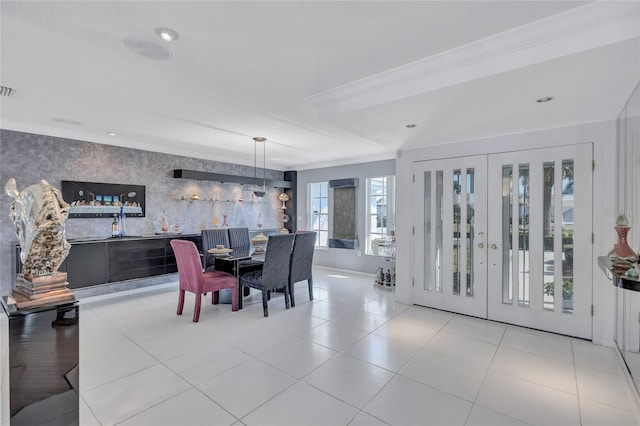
(29, 158)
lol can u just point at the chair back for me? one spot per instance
(275, 273)
(210, 239)
(302, 255)
(239, 237)
(189, 266)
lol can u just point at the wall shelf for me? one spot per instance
(187, 200)
(222, 178)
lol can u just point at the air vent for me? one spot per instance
(6, 91)
(148, 48)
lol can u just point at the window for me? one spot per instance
(380, 215)
(319, 211)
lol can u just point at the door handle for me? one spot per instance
(480, 245)
(494, 247)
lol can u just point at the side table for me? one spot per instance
(39, 353)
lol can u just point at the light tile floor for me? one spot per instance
(352, 356)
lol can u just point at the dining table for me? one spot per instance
(231, 261)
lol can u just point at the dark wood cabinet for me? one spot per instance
(107, 261)
(86, 265)
(135, 259)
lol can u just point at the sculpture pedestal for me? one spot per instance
(39, 355)
(31, 292)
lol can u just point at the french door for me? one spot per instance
(450, 234)
(497, 237)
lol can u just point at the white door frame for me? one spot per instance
(582, 326)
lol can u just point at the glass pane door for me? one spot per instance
(540, 226)
(450, 243)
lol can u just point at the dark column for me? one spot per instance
(292, 211)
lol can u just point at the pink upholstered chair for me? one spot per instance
(194, 280)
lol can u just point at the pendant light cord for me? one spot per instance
(264, 166)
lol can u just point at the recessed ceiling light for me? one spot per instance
(545, 99)
(411, 126)
(112, 134)
(167, 34)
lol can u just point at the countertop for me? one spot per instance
(127, 238)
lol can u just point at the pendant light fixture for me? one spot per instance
(259, 192)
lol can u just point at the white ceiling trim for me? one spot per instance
(347, 161)
(594, 25)
(215, 155)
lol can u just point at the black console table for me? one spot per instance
(622, 281)
(41, 347)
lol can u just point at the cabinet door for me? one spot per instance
(87, 265)
(129, 259)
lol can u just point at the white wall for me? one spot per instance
(603, 137)
(342, 258)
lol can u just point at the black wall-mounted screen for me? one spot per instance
(92, 199)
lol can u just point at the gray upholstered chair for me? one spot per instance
(239, 239)
(275, 272)
(301, 262)
(210, 239)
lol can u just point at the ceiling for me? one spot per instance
(326, 82)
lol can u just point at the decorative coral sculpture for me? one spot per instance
(39, 214)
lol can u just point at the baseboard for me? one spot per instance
(120, 288)
(345, 271)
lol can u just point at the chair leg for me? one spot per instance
(234, 299)
(286, 297)
(291, 297)
(196, 310)
(310, 281)
(215, 297)
(265, 309)
(180, 302)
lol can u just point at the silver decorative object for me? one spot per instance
(39, 214)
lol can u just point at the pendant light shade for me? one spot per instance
(259, 191)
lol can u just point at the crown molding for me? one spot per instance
(391, 155)
(215, 156)
(211, 155)
(584, 28)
